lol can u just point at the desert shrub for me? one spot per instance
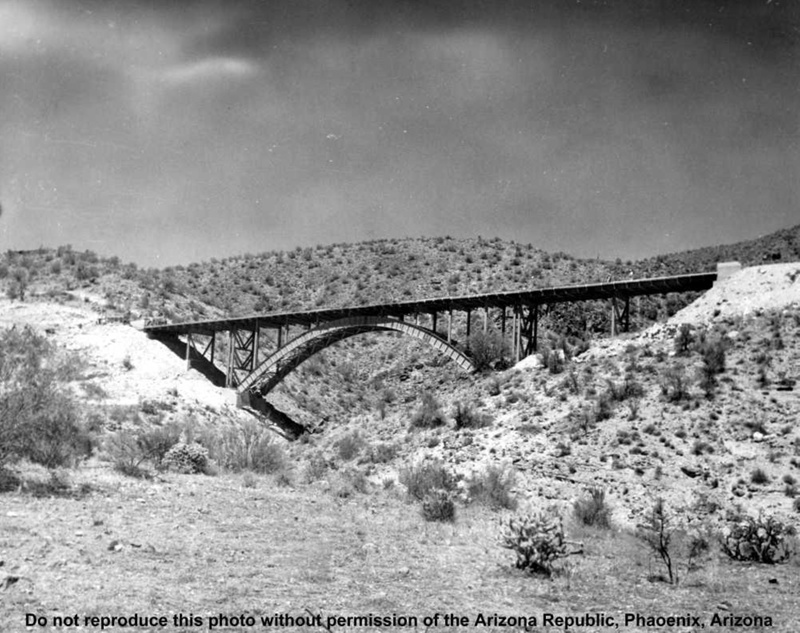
(18, 284)
(538, 542)
(186, 458)
(684, 339)
(604, 407)
(380, 453)
(316, 467)
(657, 532)
(246, 446)
(761, 540)
(487, 349)
(466, 417)
(39, 420)
(124, 451)
(713, 357)
(554, 360)
(759, 477)
(132, 470)
(438, 505)
(628, 388)
(593, 509)
(675, 384)
(349, 446)
(429, 415)
(355, 479)
(420, 479)
(129, 449)
(493, 487)
(156, 442)
(582, 419)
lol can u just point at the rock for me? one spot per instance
(691, 471)
(758, 437)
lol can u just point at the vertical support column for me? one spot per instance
(213, 344)
(535, 327)
(469, 324)
(450, 325)
(503, 324)
(189, 344)
(433, 318)
(613, 316)
(516, 333)
(485, 320)
(256, 337)
(229, 374)
(626, 323)
(280, 336)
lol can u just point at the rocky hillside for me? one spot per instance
(346, 274)
(708, 421)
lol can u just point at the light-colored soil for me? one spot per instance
(210, 545)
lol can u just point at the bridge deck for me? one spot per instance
(557, 294)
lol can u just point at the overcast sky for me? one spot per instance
(171, 132)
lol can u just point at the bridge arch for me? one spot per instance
(282, 362)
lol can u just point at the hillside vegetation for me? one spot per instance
(666, 459)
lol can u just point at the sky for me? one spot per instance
(167, 132)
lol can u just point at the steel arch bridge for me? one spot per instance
(263, 349)
(266, 376)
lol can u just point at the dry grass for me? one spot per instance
(202, 545)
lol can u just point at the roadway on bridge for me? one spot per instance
(539, 296)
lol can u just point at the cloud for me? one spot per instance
(205, 70)
(308, 121)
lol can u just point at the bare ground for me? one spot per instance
(211, 546)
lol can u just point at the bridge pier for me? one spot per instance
(242, 353)
(620, 318)
(450, 326)
(192, 350)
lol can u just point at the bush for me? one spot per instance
(429, 415)
(39, 420)
(316, 467)
(156, 442)
(713, 356)
(466, 417)
(761, 540)
(379, 453)
(421, 479)
(684, 339)
(493, 487)
(675, 384)
(487, 349)
(657, 532)
(594, 509)
(438, 505)
(759, 477)
(555, 360)
(538, 542)
(248, 446)
(186, 458)
(350, 445)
